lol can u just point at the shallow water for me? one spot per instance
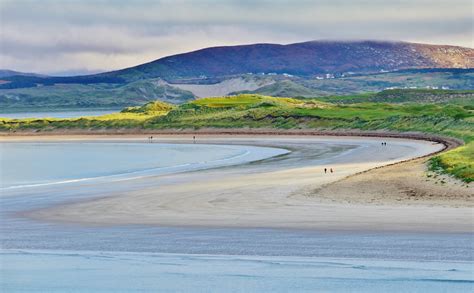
(34, 164)
(56, 114)
(48, 257)
(125, 272)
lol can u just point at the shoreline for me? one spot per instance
(282, 196)
(449, 142)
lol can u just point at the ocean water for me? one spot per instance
(37, 164)
(132, 272)
(39, 256)
(56, 114)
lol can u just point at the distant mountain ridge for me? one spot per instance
(310, 69)
(305, 60)
(302, 59)
(9, 73)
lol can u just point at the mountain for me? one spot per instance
(307, 59)
(9, 73)
(302, 59)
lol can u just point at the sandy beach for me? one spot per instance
(399, 197)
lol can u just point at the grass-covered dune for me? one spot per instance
(255, 111)
(396, 96)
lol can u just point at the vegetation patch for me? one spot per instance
(458, 162)
(256, 111)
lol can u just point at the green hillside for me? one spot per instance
(255, 111)
(119, 95)
(71, 96)
(426, 96)
(284, 88)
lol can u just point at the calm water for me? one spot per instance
(56, 257)
(34, 164)
(131, 272)
(58, 114)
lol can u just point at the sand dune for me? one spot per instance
(222, 88)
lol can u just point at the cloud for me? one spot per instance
(56, 36)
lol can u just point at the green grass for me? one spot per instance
(458, 162)
(108, 121)
(255, 111)
(150, 108)
(426, 96)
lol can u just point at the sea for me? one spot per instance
(56, 114)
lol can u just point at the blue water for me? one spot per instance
(125, 272)
(35, 164)
(39, 256)
(56, 114)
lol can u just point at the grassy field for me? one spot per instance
(130, 117)
(458, 162)
(255, 111)
(397, 96)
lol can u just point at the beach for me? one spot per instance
(291, 194)
(247, 213)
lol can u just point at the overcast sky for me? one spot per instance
(69, 37)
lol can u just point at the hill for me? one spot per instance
(399, 96)
(310, 69)
(74, 96)
(343, 89)
(9, 73)
(302, 59)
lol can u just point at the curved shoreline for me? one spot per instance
(449, 142)
(277, 199)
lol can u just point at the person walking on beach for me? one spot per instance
(331, 170)
(325, 170)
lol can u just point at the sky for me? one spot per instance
(67, 37)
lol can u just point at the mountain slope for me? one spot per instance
(304, 69)
(284, 88)
(71, 96)
(9, 73)
(302, 59)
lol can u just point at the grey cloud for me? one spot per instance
(104, 35)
